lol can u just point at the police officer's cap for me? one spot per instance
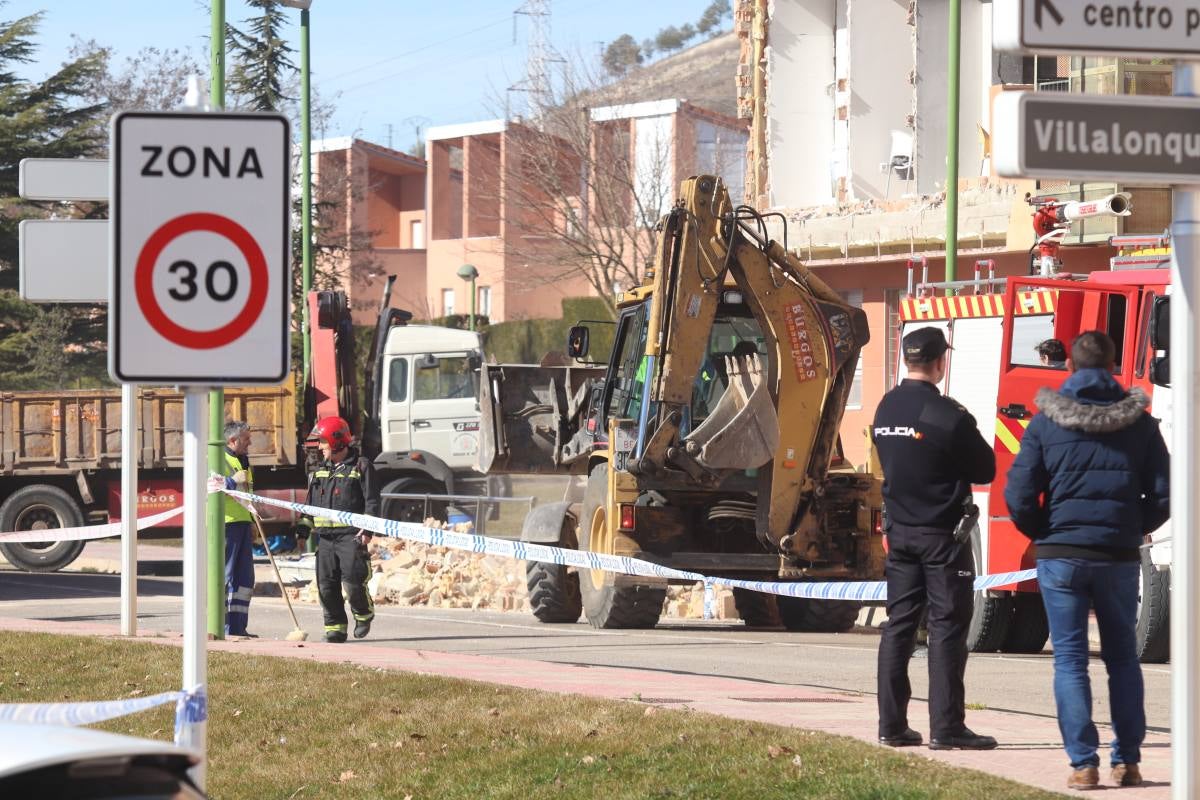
(925, 344)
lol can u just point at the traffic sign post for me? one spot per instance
(199, 293)
(200, 233)
(1153, 28)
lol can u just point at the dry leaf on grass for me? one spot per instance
(775, 751)
(237, 712)
(588, 760)
(347, 776)
(650, 711)
(493, 712)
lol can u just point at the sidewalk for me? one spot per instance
(1030, 750)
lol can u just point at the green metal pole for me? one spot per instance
(305, 193)
(955, 42)
(472, 304)
(306, 265)
(216, 398)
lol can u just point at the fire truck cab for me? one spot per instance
(995, 371)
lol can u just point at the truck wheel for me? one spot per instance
(990, 616)
(1028, 630)
(818, 616)
(412, 510)
(605, 604)
(37, 508)
(1154, 613)
(757, 610)
(553, 590)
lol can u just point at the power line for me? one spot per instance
(416, 50)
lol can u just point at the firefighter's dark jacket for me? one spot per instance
(349, 485)
(931, 452)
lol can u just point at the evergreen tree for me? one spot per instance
(260, 59)
(621, 55)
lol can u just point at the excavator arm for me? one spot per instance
(780, 418)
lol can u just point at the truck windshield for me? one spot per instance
(451, 379)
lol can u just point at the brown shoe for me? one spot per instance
(1126, 775)
(1084, 778)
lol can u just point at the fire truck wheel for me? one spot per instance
(818, 616)
(1154, 613)
(990, 616)
(40, 507)
(553, 590)
(606, 604)
(756, 609)
(1029, 629)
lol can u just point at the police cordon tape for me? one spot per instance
(190, 707)
(859, 591)
(86, 531)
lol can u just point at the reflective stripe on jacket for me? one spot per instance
(346, 486)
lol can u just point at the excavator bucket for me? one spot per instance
(742, 432)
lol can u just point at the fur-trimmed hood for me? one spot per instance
(1093, 402)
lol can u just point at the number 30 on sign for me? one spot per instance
(200, 272)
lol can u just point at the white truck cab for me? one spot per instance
(430, 393)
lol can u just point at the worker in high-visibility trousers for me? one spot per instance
(344, 482)
(239, 536)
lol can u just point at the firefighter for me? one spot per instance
(344, 482)
(931, 452)
(239, 560)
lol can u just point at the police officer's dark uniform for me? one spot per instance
(931, 452)
(347, 485)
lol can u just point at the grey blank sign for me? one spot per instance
(64, 260)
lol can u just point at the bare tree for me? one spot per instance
(584, 188)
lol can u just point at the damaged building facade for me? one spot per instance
(847, 104)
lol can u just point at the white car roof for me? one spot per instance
(25, 747)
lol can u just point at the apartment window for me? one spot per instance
(447, 302)
(416, 230)
(485, 301)
(855, 298)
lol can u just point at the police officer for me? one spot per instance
(931, 452)
(345, 482)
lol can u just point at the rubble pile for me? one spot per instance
(413, 574)
(687, 602)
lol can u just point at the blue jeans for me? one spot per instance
(1070, 586)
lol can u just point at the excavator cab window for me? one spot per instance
(623, 395)
(735, 333)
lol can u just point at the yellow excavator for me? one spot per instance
(709, 440)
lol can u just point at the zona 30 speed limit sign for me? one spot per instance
(200, 269)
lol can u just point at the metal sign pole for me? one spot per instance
(129, 478)
(195, 557)
(1185, 506)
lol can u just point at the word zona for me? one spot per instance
(182, 162)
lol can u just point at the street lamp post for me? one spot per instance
(305, 200)
(468, 273)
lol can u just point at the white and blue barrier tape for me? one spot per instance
(190, 707)
(581, 559)
(85, 531)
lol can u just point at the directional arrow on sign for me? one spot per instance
(1045, 5)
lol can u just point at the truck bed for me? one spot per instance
(62, 432)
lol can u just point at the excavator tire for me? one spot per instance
(818, 616)
(757, 610)
(991, 617)
(553, 590)
(609, 605)
(1029, 629)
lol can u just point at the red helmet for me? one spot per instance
(334, 431)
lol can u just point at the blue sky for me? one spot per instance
(381, 62)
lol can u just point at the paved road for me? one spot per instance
(845, 662)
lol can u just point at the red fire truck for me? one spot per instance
(995, 372)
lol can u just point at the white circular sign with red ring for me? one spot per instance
(200, 223)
